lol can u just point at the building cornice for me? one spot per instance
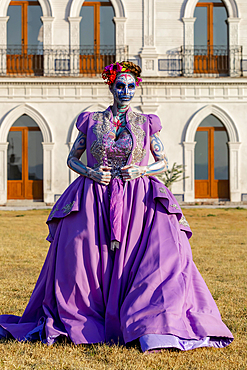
(154, 81)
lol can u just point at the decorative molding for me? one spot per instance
(17, 112)
(148, 22)
(118, 6)
(45, 6)
(48, 146)
(235, 58)
(233, 31)
(217, 112)
(188, 31)
(189, 183)
(3, 172)
(149, 65)
(192, 90)
(231, 6)
(48, 30)
(234, 156)
(149, 40)
(74, 24)
(3, 30)
(48, 172)
(120, 23)
(234, 149)
(149, 55)
(225, 83)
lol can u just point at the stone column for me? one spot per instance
(235, 191)
(3, 173)
(74, 35)
(48, 172)
(48, 45)
(234, 48)
(188, 48)
(3, 45)
(149, 55)
(189, 161)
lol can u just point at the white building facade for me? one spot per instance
(194, 60)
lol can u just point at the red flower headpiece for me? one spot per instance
(110, 73)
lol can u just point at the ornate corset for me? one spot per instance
(117, 152)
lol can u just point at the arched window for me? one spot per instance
(211, 160)
(211, 38)
(97, 36)
(25, 160)
(24, 38)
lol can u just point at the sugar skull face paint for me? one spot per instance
(124, 88)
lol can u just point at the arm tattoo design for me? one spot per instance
(158, 151)
(75, 154)
(102, 175)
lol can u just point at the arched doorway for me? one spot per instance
(211, 38)
(97, 36)
(25, 160)
(24, 38)
(211, 160)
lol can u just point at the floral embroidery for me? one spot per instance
(136, 119)
(53, 212)
(162, 190)
(101, 116)
(175, 206)
(101, 129)
(184, 222)
(68, 207)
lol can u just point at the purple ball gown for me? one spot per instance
(148, 289)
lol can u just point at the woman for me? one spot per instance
(120, 266)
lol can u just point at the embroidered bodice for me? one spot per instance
(130, 150)
(117, 151)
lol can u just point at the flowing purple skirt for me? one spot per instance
(149, 288)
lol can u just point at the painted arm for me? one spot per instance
(101, 175)
(160, 165)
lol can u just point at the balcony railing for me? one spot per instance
(212, 61)
(86, 61)
(22, 60)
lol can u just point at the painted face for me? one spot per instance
(124, 88)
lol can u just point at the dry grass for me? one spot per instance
(219, 248)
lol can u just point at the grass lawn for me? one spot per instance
(219, 246)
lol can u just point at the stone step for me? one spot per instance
(24, 204)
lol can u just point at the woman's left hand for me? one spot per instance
(132, 172)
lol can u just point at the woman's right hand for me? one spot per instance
(102, 175)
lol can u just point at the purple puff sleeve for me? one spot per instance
(154, 124)
(82, 122)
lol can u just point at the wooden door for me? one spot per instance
(97, 47)
(211, 44)
(24, 55)
(211, 163)
(24, 180)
